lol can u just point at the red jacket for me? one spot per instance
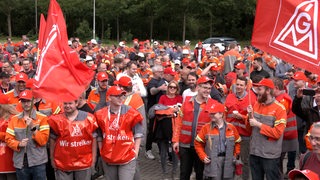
(74, 141)
(118, 139)
(6, 153)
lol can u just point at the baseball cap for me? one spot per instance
(93, 41)
(26, 94)
(215, 67)
(115, 91)
(124, 81)
(177, 62)
(185, 60)
(22, 77)
(121, 44)
(102, 76)
(265, 82)
(192, 65)
(240, 65)
(166, 64)
(156, 43)
(204, 79)
(186, 42)
(307, 173)
(215, 108)
(89, 58)
(299, 76)
(4, 99)
(170, 71)
(199, 43)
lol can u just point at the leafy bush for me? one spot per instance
(84, 31)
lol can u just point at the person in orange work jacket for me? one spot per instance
(189, 122)
(73, 136)
(267, 119)
(27, 134)
(21, 80)
(290, 137)
(98, 95)
(7, 170)
(218, 145)
(122, 130)
(236, 104)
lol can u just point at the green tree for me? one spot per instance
(83, 31)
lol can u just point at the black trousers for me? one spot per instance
(189, 159)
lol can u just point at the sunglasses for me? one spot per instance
(172, 87)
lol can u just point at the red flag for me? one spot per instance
(60, 74)
(41, 31)
(289, 30)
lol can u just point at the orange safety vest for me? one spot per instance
(183, 130)
(290, 132)
(74, 141)
(6, 153)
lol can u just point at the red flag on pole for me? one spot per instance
(289, 30)
(60, 74)
(41, 32)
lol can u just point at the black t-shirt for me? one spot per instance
(262, 73)
(86, 108)
(154, 99)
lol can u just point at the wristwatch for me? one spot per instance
(33, 129)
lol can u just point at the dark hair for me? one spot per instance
(258, 59)
(4, 75)
(256, 79)
(73, 41)
(194, 74)
(129, 64)
(9, 62)
(278, 83)
(118, 60)
(242, 78)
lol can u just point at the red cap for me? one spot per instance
(215, 108)
(199, 43)
(166, 64)
(265, 82)
(170, 71)
(185, 61)
(192, 65)
(307, 173)
(115, 91)
(215, 68)
(204, 79)
(22, 77)
(26, 94)
(124, 81)
(299, 76)
(240, 65)
(4, 99)
(135, 40)
(102, 76)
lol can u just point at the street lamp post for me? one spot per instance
(94, 19)
(36, 11)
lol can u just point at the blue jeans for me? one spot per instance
(261, 166)
(32, 173)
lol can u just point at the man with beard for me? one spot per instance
(267, 119)
(258, 69)
(190, 120)
(98, 95)
(191, 82)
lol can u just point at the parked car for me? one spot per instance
(220, 42)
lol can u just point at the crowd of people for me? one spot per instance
(217, 114)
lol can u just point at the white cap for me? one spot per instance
(156, 43)
(89, 58)
(121, 44)
(186, 42)
(140, 54)
(37, 41)
(93, 41)
(185, 51)
(177, 62)
(208, 49)
(69, 43)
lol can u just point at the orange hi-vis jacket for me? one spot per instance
(118, 138)
(73, 147)
(36, 148)
(94, 97)
(266, 141)
(206, 149)
(183, 130)
(233, 103)
(45, 107)
(233, 52)
(206, 131)
(6, 153)
(290, 132)
(145, 75)
(13, 96)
